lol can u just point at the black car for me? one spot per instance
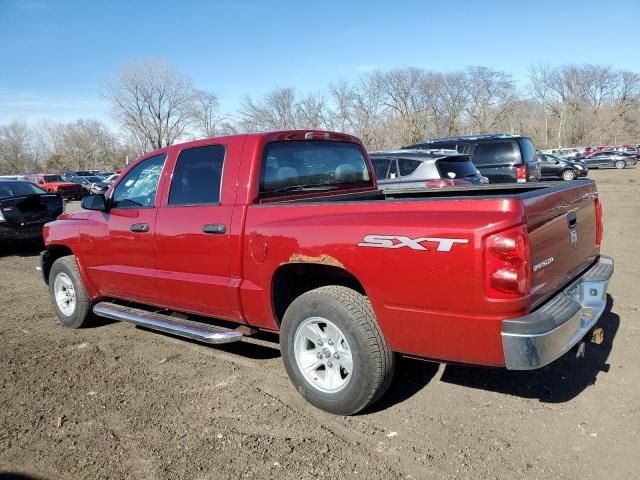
(501, 158)
(552, 166)
(610, 159)
(25, 208)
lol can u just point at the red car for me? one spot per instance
(56, 184)
(287, 232)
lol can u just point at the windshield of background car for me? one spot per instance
(313, 165)
(53, 178)
(18, 188)
(458, 167)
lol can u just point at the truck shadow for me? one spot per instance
(558, 382)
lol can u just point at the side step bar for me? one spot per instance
(165, 323)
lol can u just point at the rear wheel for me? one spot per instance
(568, 175)
(620, 164)
(333, 350)
(68, 295)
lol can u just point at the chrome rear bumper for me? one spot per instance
(539, 338)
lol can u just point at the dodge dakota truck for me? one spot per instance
(287, 232)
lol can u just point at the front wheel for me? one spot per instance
(568, 175)
(620, 164)
(334, 351)
(68, 295)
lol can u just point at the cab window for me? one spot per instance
(139, 187)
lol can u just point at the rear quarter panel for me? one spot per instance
(428, 303)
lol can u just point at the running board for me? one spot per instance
(202, 332)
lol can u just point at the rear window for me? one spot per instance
(491, 153)
(53, 178)
(312, 166)
(456, 168)
(407, 167)
(18, 188)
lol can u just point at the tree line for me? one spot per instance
(153, 106)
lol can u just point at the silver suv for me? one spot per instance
(424, 168)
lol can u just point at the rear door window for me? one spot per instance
(197, 176)
(496, 153)
(528, 150)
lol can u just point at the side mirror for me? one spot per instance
(95, 202)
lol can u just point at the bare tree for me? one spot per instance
(490, 95)
(86, 144)
(276, 111)
(15, 148)
(153, 102)
(205, 113)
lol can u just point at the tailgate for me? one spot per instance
(562, 236)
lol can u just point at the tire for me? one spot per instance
(568, 175)
(356, 367)
(620, 164)
(65, 282)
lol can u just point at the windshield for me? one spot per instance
(312, 165)
(18, 188)
(53, 178)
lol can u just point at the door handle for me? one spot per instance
(214, 228)
(139, 227)
(572, 220)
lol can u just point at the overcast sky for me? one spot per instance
(56, 55)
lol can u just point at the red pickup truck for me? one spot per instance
(56, 184)
(286, 232)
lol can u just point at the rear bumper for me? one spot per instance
(539, 338)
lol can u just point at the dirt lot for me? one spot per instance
(117, 401)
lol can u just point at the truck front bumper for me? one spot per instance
(537, 339)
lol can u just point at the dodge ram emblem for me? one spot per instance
(573, 236)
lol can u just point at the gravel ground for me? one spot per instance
(117, 401)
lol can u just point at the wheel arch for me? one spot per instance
(50, 255)
(291, 280)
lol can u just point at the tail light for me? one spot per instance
(508, 273)
(317, 136)
(521, 173)
(599, 225)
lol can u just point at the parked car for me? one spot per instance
(56, 184)
(103, 186)
(25, 208)
(420, 168)
(287, 232)
(610, 159)
(87, 182)
(570, 153)
(71, 175)
(501, 158)
(552, 166)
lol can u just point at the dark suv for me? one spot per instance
(501, 158)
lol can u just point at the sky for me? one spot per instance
(55, 56)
